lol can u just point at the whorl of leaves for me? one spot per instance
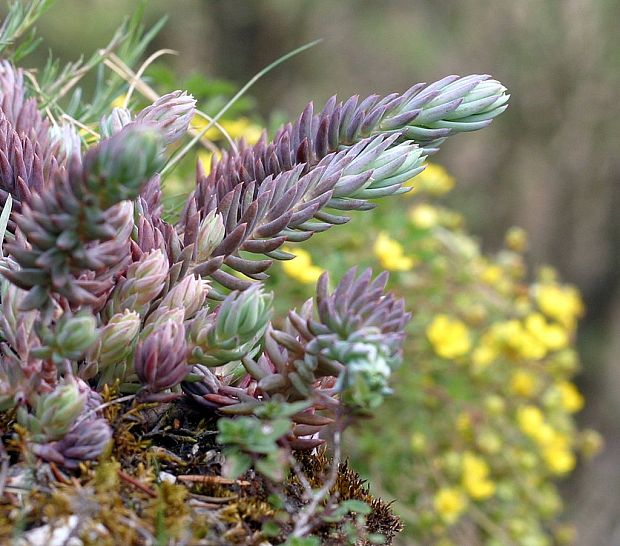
(31, 151)
(77, 231)
(305, 359)
(339, 158)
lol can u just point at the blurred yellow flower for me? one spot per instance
(560, 302)
(236, 129)
(423, 216)
(450, 337)
(558, 455)
(434, 179)
(553, 336)
(391, 254)
(301, 267)
(449, 503)
(516, 239)
(570, 398)
(530, 419)
(119, 101)
(475, 478)
(523, 383)
(491, 274)
(511, 336)
(484, 354)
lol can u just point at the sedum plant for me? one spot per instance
(107, 303)
(114, 293)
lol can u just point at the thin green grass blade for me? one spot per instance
(181, 153)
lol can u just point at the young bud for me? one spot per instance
(364, 382)
(65, 141)
(144, 281)
(74, 335)
(234, 330)
(189, 294)
(117, 168)
(117, 338)
(159, 317)
(114, 122)
(160, 359)
(210, 234)
(54, 414)
(170, 114)
(12, 318)
(85, 442)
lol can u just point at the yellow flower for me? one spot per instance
(236, 129)
(555, 446)
(517, 341)
(484, 354)
(243, 128)
(530, 419)
(560, 302)
(449, 503)
(449, 337)
(570, 398)
(301, 268)
(475, 478)
(491, 274)
(119, 101)
(523, 383)
(434, 180)
(553, 336)
(423, 216)
(558, 456)
(390, 254)
(516, 239)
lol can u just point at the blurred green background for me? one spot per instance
(550, 164)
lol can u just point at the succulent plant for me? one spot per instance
(99, 289)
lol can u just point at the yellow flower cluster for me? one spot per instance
(561, 303)
(391, 254)
(434, 180)
(571, 399)
(531, 339)
(475, 479)
(497, 427)
(301, 267)
(555, 446)
(449, 337)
